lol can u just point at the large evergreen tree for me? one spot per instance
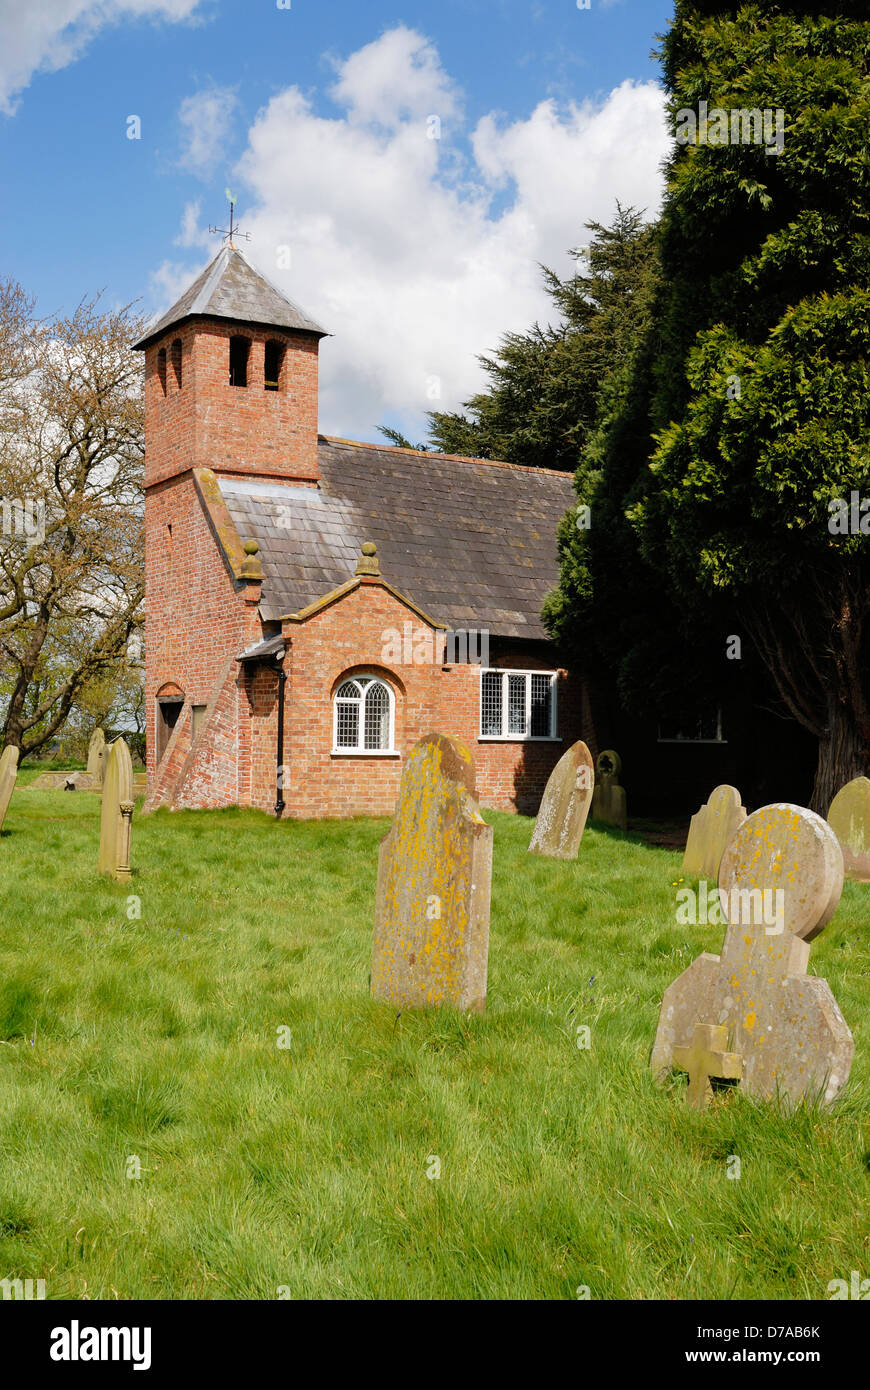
(747, 410)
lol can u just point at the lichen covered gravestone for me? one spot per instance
(117, 812)
(565, 805)
(608, 800)
(711, 831)
(95, 757)
(779, 884)
(8, 774)
(434, 877)
(849, 818)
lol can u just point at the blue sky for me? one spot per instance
(416, 253)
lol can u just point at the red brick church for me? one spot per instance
(314, 605)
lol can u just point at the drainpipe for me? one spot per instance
(279, 771)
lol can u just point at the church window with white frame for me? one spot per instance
(518, 705)
(364, 716)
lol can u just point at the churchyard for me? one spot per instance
(199, 1098)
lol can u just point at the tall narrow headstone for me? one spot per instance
(711, 831)
(565, 805)
(95, 756)
(431, 938)
(849, 818)
(117, 812)
(608, 801)
(779, 884)
(8, 774)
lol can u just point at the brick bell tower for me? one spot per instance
(230, 386)
(231, 380)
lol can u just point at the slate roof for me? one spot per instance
(471, 543)
(230, 288)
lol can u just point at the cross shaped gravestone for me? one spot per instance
(705, 1059)
(779, 883)
(565, 805)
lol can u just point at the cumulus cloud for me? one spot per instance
(205, 119)
(419, 253)
(46, 35)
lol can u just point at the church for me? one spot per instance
(315, 605)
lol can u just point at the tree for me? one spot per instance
(71, 526)
(542, 399)
(760, 397)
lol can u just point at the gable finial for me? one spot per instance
(368, 560)
(233, 229)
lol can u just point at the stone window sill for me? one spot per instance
(364, 753)
(518, 738)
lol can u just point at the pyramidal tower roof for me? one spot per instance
(230, 288)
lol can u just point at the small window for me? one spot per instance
(239, 349)
(161, 369)
(363, 719)
(176, 363)
(272, 365)
(518, 704)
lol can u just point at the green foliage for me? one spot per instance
(306, 1168)
(542, 400)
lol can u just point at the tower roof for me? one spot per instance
(229, 288)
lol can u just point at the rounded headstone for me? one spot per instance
(849, 818)
(790, 848)
(609, 763)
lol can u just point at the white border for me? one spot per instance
(389, 752)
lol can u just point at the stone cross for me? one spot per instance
(431, 939)
(707, 1058)
(565, 805)
(8, 775)
(849, 818)
(712, 829)
(608, 801)
(779, 884)
(95, 757)
(116, 812)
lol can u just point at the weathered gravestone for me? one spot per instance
(117, 812)
(434, 876)
(779, 883)
(711, 831)
(8, 774)
(849, 818)
(96, 749)
(608, 800)
(565, 805)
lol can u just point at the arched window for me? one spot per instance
(176, 363)
(363, 716)
(239, 349)
(273, 362)
(161, 369)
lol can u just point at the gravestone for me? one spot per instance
(431, 938)
(8, 774)
(707, 1057)
(96, 749)
(565, 805)
(784, 1025)
(117, 812)
(849, 818)
(608, 800)
(711, 831)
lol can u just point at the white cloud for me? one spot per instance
(418, 254)
(205, 120)
(46, 35)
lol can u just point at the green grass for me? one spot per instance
(306, 1169)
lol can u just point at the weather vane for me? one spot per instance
(233, 229)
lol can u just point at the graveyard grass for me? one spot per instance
(304, 1169)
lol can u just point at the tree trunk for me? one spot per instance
(841, 754)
